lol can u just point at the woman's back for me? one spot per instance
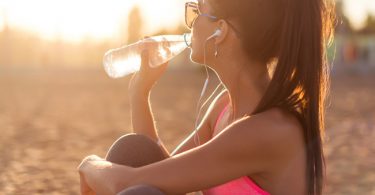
(286, 173)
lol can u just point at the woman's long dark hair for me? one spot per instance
(294, 34)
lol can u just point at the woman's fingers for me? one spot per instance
(147, 76)
(145, 60)
(145, 55)
(83, 163)
(85, 189)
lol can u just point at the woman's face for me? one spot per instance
(202, 28)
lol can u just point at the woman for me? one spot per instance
(263, 134)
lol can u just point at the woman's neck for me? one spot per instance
(246, 87)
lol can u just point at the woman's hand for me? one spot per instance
(99, 176)
(143, 80)
(84, 164)
(85, 188)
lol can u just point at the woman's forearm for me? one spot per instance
(142, 118)
(141, 115)
(139, 89)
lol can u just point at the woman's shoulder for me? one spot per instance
(282, 118)
(279, 120)
(272, 136)
(275, 128)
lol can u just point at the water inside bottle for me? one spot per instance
(126, 60)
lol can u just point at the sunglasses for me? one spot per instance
(192, 12)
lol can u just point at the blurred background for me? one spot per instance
(57, 105)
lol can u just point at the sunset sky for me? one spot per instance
(75, 19)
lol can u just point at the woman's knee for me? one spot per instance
(134, 150)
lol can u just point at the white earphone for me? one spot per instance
(216, 33)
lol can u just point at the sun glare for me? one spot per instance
(1, 24)
(104, 19)
(77, 19)
(357, 11)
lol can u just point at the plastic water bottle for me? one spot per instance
(125, 60)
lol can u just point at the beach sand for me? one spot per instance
(50, 120)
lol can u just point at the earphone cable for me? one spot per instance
(203, 91)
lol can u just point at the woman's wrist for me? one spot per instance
(139, 91)
(139, 85)
(139, 95)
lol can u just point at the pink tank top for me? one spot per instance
(241, 186)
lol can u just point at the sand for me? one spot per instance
(50, 120)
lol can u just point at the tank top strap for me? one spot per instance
(221, 115)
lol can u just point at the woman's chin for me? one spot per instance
(196, 58)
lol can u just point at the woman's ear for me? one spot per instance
(223, 27)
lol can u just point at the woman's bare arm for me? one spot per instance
(143, 120)
(247, 146)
